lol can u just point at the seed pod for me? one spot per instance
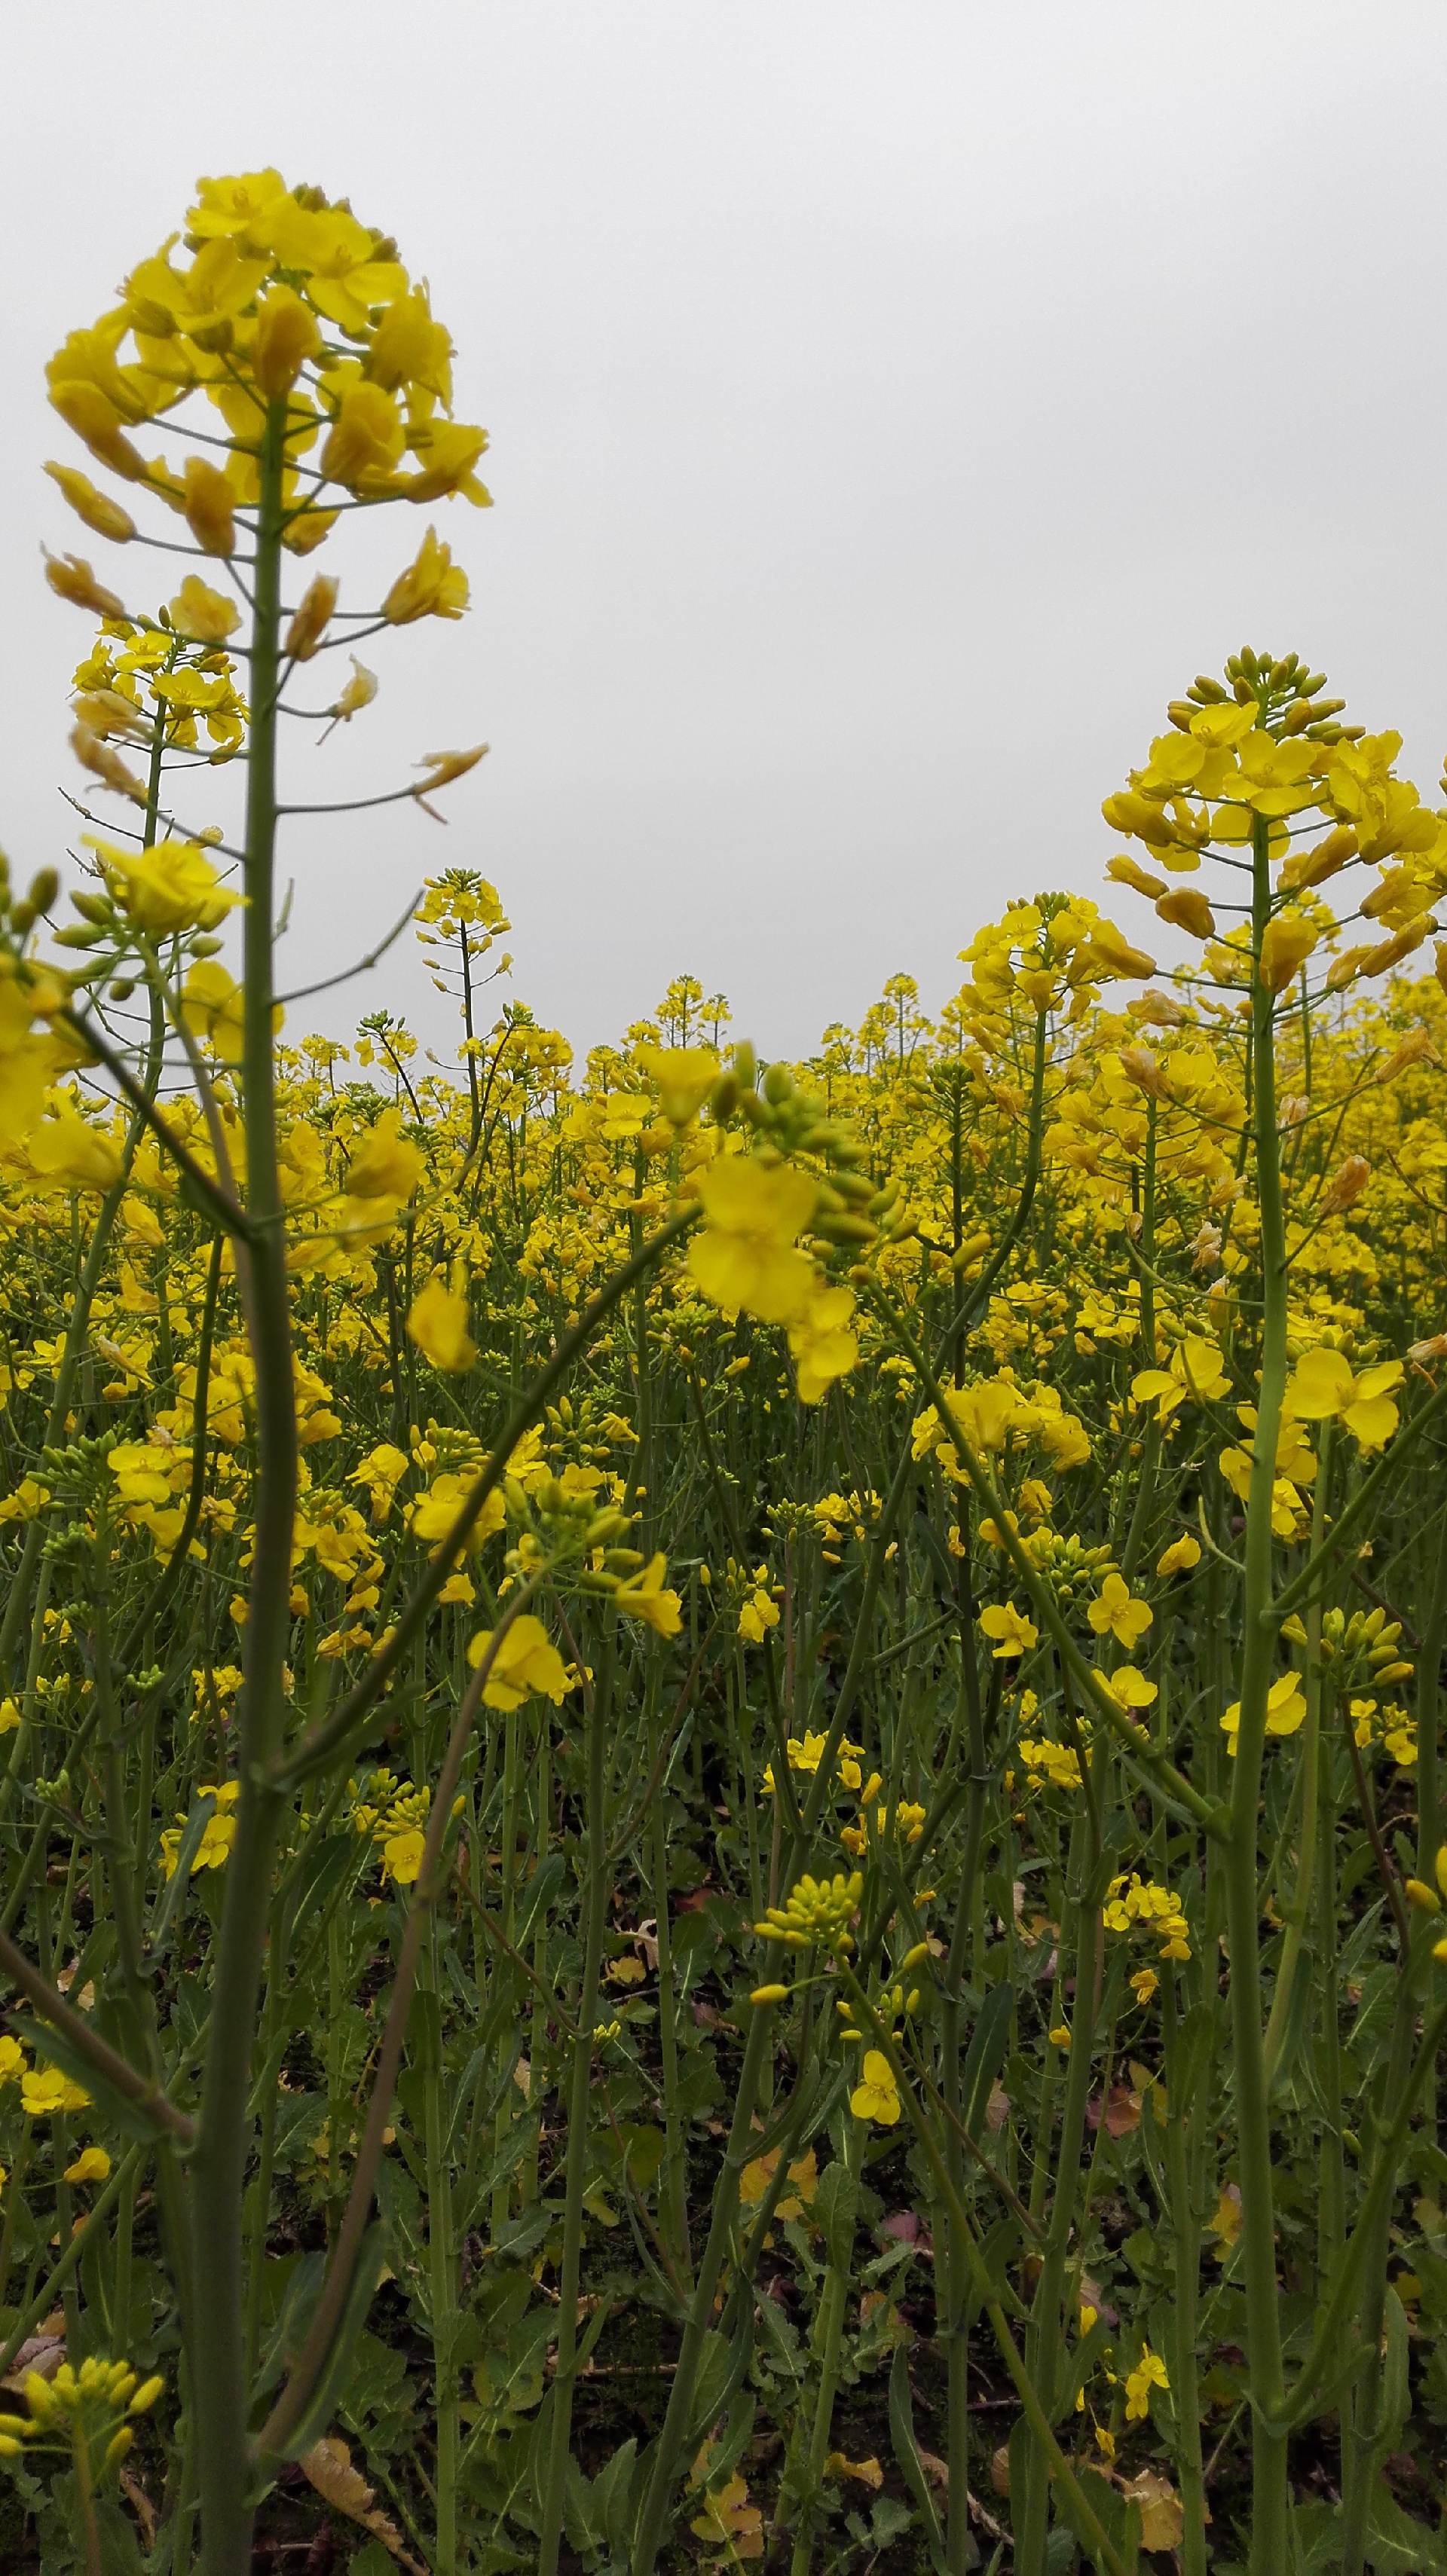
(844, 1228)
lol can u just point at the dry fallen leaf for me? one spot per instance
(328, 2466)
(44, 2351)
(729, 2522)
(868, 2472)
(136, 2495)
(1162, 2519)
(1227, 2222)
(646, 1938)
(756, 2177)
(1000, 2470)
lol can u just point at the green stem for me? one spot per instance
(218, 2167)
(595, 1900)
(1270, 2544)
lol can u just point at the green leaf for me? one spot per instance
(989, 2042)
(906, 2452)
(1398, 2546)
(303, 2292)
(835, 2212)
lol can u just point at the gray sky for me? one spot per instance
(891, 408)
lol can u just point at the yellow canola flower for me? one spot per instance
(1130, 1688)
(12, 2060)
(432, 586)
(1132, 1900)
(527, 1661)
(1116, 1614)
(45, 2090)
(682, 1076)
(171, 887)
(432, 1515)
(137, 1469)
(1196, 1374)
(823, 1345)
(643, 1597)
(402, 1855)
(385, 1164)
(201, 614)
(1149, 2373)
(218, 1836)
(745, 1257)
(1322, 1387)
(1045, 1760)
(1285, 1710)
(1015, 1633)
(438, 1326)
(876, 2096)
(70, 1151)
(91, 2165)
(1179, 1558)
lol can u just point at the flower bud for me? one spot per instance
(778, 1085)
(310, 622)
(769, 1995)
(1346, 1184)
(286, 336)
(97, 509)
(71, 578)
(844, 1227)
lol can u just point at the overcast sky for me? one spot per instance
(891, 407)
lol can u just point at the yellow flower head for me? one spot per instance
(1322, 1387)
(876, 2096)
(171, 887)
(643, 1597)
(744, 1257)
(438, 1326)
(526, 1662)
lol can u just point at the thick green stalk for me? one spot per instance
(218, 2167)
(1298, 1913)
(831, 2344)
(595, 1902)
(1270, 2546)
(1186, 2233)
(673, 2199)
(654, 2515)
(954, 2272)
(1043, 2340)
(441, 2263)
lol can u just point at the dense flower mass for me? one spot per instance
(920, 1571)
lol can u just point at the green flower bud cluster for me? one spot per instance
(84, 2414)
(816, 1915)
